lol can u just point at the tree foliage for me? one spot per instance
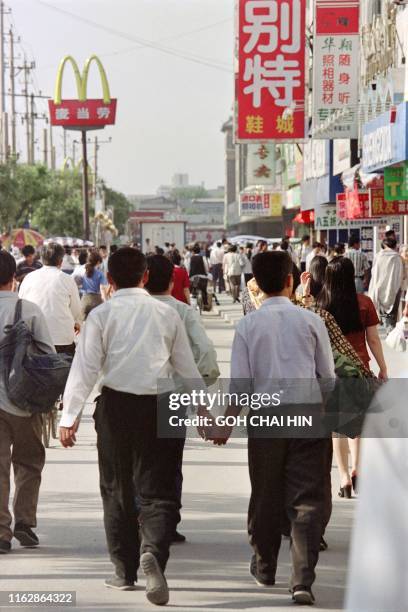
(189, 193)
(49, 200)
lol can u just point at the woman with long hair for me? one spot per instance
(94, 284)
(357, 318)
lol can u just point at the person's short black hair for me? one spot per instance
(284, 245)
(271, 270)
(390, 233)
(197, 249)
(7, 267)
(160, 273)
(82, 257)
(103, 247)
(167, 244)
(339, 248)
(316, 245)
(353, 240)
(219, 244)
(28, 250)
(53, 254)
(262, 243)
(305, 238)
(67, 249)
(126, 267)
(391, 243)
(113, 248)
(175, 257)
(233, 248)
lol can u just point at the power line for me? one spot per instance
(141, 41)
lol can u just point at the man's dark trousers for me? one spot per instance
(289, 478)
(138, 480)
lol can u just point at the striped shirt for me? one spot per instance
(360, 261)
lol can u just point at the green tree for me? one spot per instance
(189, 193)
(22, 187)
(60, 212)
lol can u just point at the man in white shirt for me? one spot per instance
(132, 342)
(303, 251)
(160, 285)
(216, 259)
(56, 293)
(284, 347)
(20, 432)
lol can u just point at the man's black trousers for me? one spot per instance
(138, 480)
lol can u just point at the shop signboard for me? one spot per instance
(353, 205)
(379, 207)
(258, 203)
(385, 143)
(396, 182)
(270, 78)
(336, 63)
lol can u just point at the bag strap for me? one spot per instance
(17, 312)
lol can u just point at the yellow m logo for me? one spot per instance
(81, 79)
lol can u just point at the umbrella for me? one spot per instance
(22, 237)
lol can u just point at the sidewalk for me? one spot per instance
(209, 572)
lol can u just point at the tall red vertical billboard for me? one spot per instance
(270, 77)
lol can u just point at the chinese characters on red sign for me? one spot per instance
(353, 205)
(82, 114)
(270, 83)
(379, 207)
(336, 66)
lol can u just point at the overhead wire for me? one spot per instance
(187, 56)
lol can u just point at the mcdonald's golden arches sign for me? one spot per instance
(82, 113)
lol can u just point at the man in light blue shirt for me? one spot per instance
(286, 347)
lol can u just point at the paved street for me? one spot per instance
(210, 572)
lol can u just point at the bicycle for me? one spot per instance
(197, 287)
(50, 424)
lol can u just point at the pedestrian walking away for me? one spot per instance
(288, 476)
(20, 432)
(133, 340)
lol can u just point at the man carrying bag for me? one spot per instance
(20, 430)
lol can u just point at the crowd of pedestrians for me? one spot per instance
(126, 320)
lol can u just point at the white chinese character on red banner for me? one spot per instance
(103, 112)
(83, 113)
(273, 75)
(268, 17)
(62, 114)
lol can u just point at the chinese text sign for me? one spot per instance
(336, 69)
(270, 82)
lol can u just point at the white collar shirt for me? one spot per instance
(131, 343)
(56, 293)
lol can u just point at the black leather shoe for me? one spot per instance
(5, 547)
(119, 584)
(25, 535)
(262, 580)
(303, 595)
(178, 538)
(323, 544)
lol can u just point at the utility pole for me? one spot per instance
(52, 150)
(27, 114)
(45, 145)
(13, 96)
(65, 144)
(32, 129)
(74, 144)
(96, 148)
(2, 79)
(85, 186)
(5, 143)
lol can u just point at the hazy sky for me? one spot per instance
(170, 110)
